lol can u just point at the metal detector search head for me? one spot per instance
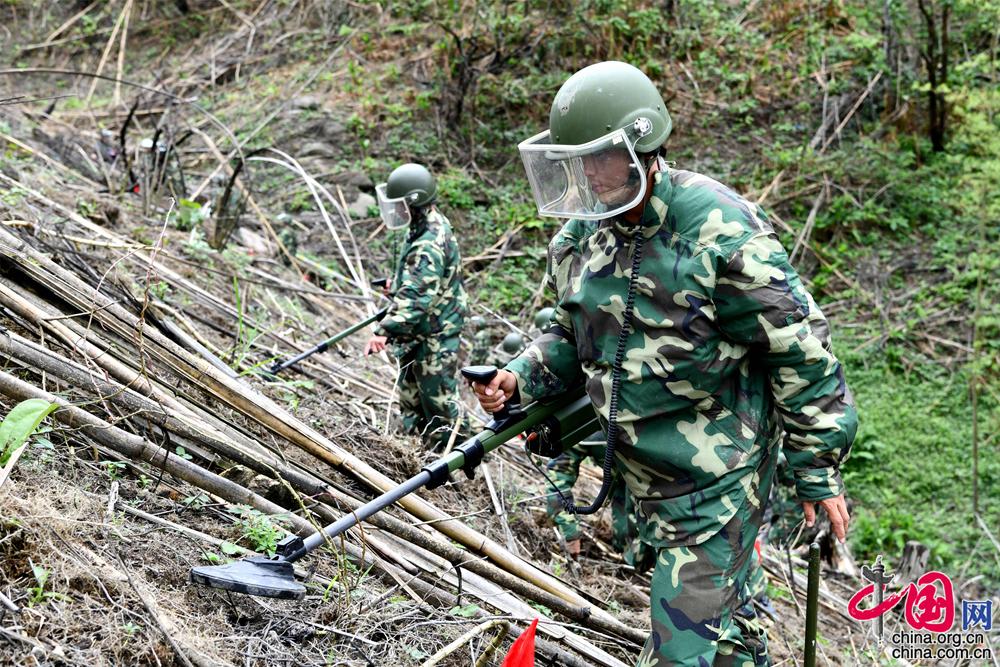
(263, 577)
(566, 419)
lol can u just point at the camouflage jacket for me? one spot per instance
(727, 351)
(428, 299)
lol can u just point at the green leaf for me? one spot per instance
(20, 423)
(40, 573)
(229, 548)
(468, 611)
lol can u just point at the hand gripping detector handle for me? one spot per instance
(483, 375)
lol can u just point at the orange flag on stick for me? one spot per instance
(522, 653)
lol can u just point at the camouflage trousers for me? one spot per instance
(569, 525)
(700, 603)
(428, 391)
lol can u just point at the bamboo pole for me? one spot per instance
(68, 286)
(136, 448)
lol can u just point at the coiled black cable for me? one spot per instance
(607, 468)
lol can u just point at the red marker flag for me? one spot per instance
(522, 653)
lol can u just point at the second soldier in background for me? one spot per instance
(428, 310)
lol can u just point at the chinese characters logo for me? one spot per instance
(929, 610)
(929, 601)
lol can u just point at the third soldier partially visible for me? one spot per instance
(565, 471)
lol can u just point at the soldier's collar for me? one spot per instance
(655, 212)
(418, 225)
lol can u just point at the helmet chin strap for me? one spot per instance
(652, 164)
(418, 220)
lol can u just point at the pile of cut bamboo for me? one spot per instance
(138, 378)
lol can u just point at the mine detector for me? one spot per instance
(279, 366)
(551, 425)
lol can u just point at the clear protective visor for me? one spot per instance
(395, 212)
(591, 181)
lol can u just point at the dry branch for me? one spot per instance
(138, 449)
(261, 409)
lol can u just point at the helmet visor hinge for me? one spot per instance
(642, 126)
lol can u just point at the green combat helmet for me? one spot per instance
(482, 344)
(409, 185)
(512, 343)
(543, 318)
(605, 97)
(477, 322)
(587, 164)
(414, 182)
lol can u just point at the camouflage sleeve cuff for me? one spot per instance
(548, 366)
(398, 327)
(392, 336)
(526, 397)
(815, 484)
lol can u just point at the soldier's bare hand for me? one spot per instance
(375, 345)
(492, 396)
(388, 287)
(836, 509)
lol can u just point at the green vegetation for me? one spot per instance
(38, 593)
(258, 529)
(22, 421)
(189, 215)
(839, 108)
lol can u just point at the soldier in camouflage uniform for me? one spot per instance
(428, 308)
(697, 343)
(482, 341)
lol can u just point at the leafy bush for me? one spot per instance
(258, 528)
